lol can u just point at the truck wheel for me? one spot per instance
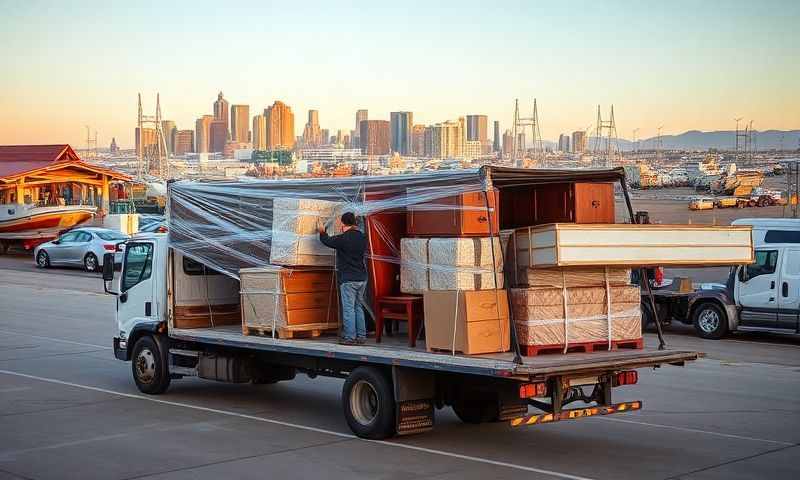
(368, 401)
(476, 410)
(710, 321)
(149, 366)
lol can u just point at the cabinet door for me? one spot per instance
(473, 214)
(554, 203)
(594, 203)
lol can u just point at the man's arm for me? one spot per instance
(327, 240)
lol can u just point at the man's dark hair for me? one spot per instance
(349, 219)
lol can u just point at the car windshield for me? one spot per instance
(111, 235)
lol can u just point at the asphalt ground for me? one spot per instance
(69, 409)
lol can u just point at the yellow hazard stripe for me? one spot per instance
(575, 413)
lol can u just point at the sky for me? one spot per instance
(686, 65)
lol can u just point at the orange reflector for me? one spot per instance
(531, 390)
(630, 377)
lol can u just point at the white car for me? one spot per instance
(79, 247)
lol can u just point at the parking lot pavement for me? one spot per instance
(67, 407)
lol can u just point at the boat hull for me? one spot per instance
(33, 223)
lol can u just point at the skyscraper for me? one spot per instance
(113, 148)
(496, 144)
(375, 137)
(312, 135)
(259, 132)
(418, 140)
(508, 143)
(280, 126)
(217, 136)
(240, 123)
(448, 139)
(563, 143)
(168, 127)
(478, 128)
(202, 133)
(578, 141)
(221, 113)
(361, 115)
(146, 140)
(184, 142)
(401, 125)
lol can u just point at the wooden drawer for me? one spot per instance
(298, 301)
(298, 281)
(312, 315)
(467, 217)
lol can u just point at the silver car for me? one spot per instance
(79, 246)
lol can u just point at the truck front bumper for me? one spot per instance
(576, 413)
(121, 349)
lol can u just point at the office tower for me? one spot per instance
(146, 140)
(361, 115)
(578, 141)
(508, 143)
(113, 148)
(312, 134)
(240, 123)
(280, 126)
(221, 109)
(401, 124)
(325, 136)
(184, 142)
(375, 137)
(259, 132)
(478, 129)
(563, 143)
(218, 135)
(168, 127)
(448, 139)
(427, 140)
(201, 133)
(497, 140)
(473, 149)
(418, 140)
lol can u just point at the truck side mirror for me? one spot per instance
(108, 267)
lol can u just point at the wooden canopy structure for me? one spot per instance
(50, 174)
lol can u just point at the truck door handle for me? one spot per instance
(785, 289)
(123, 297)
(772, 285)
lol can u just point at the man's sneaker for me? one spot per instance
(361, 341)
(347, 341)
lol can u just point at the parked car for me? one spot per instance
(79, 247)
(701, 203)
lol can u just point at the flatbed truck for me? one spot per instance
(389, 389)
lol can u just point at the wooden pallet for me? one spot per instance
(311, 330)
(583, 347)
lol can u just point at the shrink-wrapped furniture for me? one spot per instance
(285, 301)
(573, 276)
(470, 322)
(450, 264)
(295, 241)
(570, 244)
(587, 317)
(579, 202)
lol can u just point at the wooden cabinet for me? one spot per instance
(458, 215)
(529, 205)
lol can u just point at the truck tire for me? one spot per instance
(149, 366)
(710, 321)
(368, 402)
(476, 409)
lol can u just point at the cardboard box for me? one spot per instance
(470, 322)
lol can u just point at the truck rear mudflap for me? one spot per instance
(575, 413)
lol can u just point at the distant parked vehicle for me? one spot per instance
(79, 247)
(701, 203)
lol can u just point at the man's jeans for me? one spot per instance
(353, 325)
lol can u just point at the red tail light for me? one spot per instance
(531, 390)
(161, 229)
(109, 247)
(630, 377)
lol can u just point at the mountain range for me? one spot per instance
(722, 139)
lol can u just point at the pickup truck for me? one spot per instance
(762, 296)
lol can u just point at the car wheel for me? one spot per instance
(368, 401)
(710, 321)
(90, 262)
(149, 366)
(42, 259)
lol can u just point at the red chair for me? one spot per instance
(406, 308)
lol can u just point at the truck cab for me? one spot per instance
(761, 296)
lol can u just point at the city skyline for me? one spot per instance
(665, 66)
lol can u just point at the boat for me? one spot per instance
(41, 221)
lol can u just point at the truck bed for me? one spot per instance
(394, 351)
